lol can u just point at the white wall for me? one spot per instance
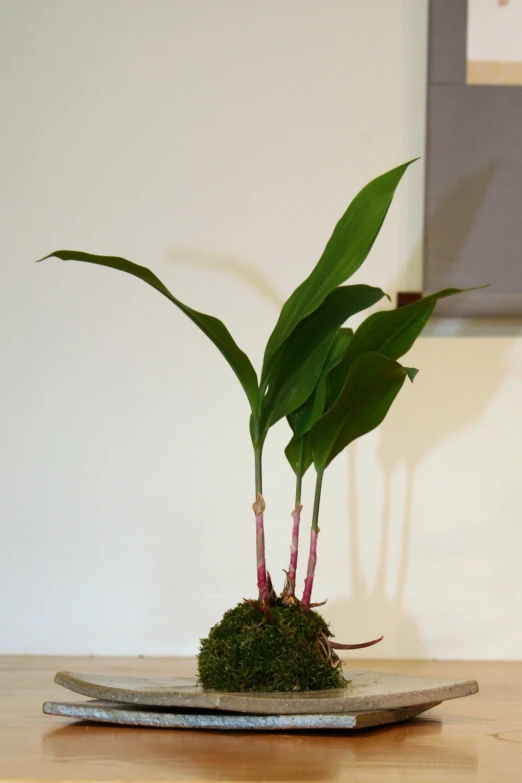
(218, 142)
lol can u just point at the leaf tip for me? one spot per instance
(45, 257)
(411, 372)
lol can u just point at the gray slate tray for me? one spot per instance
(127, 715)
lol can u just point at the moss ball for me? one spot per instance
(286, 651)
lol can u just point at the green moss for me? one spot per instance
(286, 651)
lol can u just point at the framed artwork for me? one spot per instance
(473, 200)
(494, 42)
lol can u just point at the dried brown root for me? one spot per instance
(325, 647)
(329, 653)
(271, 592)
(328, 649)
(288, 596)
(337, 646)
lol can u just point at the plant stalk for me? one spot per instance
(294, 548)
(296, 516)
(298, 484)
(262, 582)
(259, 508)
(288, 594)
(258, 453)
(317, 501)
(314, 533)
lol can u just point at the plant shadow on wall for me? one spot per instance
(382, 606)
(410, 435)
(233, 267)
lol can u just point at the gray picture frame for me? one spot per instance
(473, 198)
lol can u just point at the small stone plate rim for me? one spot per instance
(367, 691)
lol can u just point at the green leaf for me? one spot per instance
(411, 372)
(348, 247)
(307, 414)
(298, 365)
(299, 461)
(373, 383)
(390, 332)
(214, 329)
(338, 349)
(302, 419)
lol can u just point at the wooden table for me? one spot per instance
(478, 738)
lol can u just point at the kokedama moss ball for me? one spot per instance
(286, 651)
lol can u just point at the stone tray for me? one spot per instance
(367, 691)
(128, 715)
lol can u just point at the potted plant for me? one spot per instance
(332, 385)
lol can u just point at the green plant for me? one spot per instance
(332, 384)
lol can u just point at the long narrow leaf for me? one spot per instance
(373, 383)
(298, 365)
(349, 245)
(214, 329)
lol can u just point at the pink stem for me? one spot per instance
(310, 572)
(262, 583)
(296, 516)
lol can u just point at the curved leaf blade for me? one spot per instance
(352, 239)
(214, 329)
(372, 385)
(390, 332)
(298, 365)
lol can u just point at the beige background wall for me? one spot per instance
(218, 142)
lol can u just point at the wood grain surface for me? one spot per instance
(473, 739)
